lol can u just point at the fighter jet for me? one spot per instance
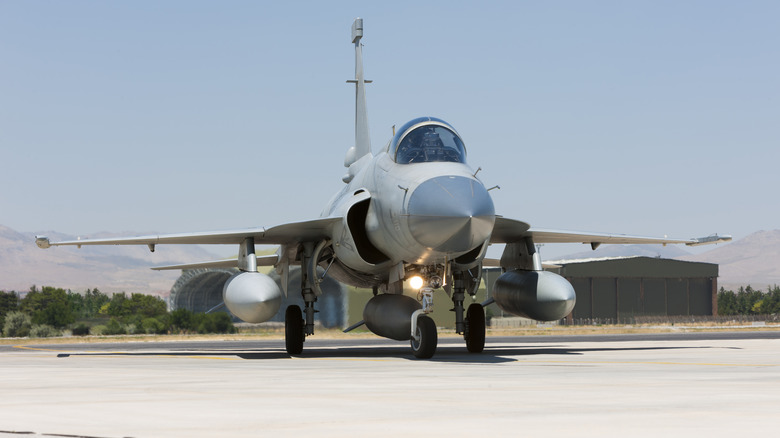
(412, 213)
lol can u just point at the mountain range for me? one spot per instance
(754, 260)
(109, 268)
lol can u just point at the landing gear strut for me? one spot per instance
(473, 327)
(424, 337)
(299, 324)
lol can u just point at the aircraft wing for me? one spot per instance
(510, 230)
(281, 234)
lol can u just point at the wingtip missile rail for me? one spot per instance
(708, 240)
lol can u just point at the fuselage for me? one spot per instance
(416, 202)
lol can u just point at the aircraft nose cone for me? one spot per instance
(451, 214)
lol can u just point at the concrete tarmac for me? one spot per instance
(623, 385)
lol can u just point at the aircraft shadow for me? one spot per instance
(453, 354)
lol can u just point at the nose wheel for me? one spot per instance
(425, 338)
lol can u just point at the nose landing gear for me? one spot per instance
(424, 337)
(470, 323)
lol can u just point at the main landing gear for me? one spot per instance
(300, 323)
(474, 332)
(473, 325)
(294, 330)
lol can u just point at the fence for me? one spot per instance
(682, 319)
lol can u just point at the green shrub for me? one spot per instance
(136, 320)
(48, 306)
(219, 322)
(17, 325)
(44, 331)
(205, 324)
(80, 330)
(153, 326)
(9, 302)
(223, 323)
(114, 327)
(182, 320)
(98, 330)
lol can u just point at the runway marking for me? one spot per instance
(119, 353)
(347, 359)
(656, 363)
(132, 354)
(24, 347)
(200, 357)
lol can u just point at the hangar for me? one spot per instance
(622, 288)
(200, 290)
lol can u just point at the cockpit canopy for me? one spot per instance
(427, 140)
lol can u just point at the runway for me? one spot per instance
(719, 384)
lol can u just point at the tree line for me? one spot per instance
(49, 311)
(749, 301)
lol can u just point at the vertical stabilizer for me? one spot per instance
(362, 142)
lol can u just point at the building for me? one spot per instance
(622, 288)
(200, 290)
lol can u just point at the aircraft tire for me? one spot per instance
(475, 328)
(426, 347)
(293, 330)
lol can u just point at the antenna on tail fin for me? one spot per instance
(362, 141)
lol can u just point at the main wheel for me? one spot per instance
(475, 328)
(293, 330)
(428, 338)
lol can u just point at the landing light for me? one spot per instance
(416, 282)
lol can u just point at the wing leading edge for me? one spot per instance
(510, 230)
(278, 235)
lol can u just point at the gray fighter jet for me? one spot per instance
(413, 212)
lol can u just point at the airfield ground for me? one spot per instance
(716, 383)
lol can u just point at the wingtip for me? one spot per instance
(42, 242)
(710, 240)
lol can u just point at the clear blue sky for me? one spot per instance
(649, 118)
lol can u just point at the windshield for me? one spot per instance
(430, 143)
